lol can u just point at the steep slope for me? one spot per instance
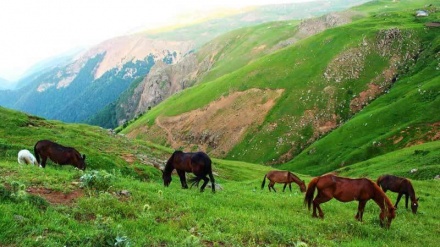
(221, 56)
(326, 80)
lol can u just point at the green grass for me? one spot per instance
(239, 215)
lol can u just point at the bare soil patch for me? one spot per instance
(56, 197)
(220, 125)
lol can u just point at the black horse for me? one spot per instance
(198, 163)
(58, 154)
(402, 186)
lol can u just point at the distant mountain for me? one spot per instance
(76, 90)
(48, 64)
(4, 84)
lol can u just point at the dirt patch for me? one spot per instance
(433, 24)
(220, 125)
(129, 158)
(365, 97)
(55, 197)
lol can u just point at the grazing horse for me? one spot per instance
(26, 157)
(198, 163)
(58, 154)
(402, 186)
(285, 177)
(345, 190)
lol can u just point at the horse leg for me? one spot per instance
(211, 177)
(284, 188)
(205, 182)
(320, 198)
(271, 185)
(398, 199)
(182, 177)
(290, 187)
(360, 212)
(43, 161)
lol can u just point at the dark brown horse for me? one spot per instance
(198, 163)
(283, 177)
(58, 154)
(345, 190)
(402, 186)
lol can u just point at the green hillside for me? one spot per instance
(121, 201)
(360, 100)
(349, 92)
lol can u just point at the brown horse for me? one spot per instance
(198, 163)
(345, 190)
(285, 177)
(58, 154)
(402, 186)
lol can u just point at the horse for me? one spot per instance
(345, 190)
(58, 154)
(198, 163)
(285, 177)
(26, 157)
(402, 186)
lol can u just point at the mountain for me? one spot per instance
(75, 91)
(330, 100)
(78, 89)
(4, 84)
(167, 79)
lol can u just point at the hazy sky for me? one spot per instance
(32, 30)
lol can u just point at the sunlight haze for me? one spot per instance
(33, 30)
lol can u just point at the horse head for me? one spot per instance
(302, 186)
(386, 216)
(80, 162)
(166, 178)
(414, 205)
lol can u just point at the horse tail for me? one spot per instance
(310, 191)
(36, 153)
(264, 182)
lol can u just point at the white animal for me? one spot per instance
(26, 157)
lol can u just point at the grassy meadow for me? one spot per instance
(126, 203)
(241, 214)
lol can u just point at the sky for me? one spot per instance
(32, 30)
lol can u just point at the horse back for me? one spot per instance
(201, 163)
(347, 189)
(393, 183)
(278, 176)
(57, 153)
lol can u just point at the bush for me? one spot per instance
(98, 181)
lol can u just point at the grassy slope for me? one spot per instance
(241, 214)
(408, 111)
(237, 48)
(299, 69)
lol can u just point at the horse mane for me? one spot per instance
(381, 193)
(379, 179)
(410, 188)
(296, 178)
(169, 165)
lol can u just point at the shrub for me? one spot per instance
(98, 181)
